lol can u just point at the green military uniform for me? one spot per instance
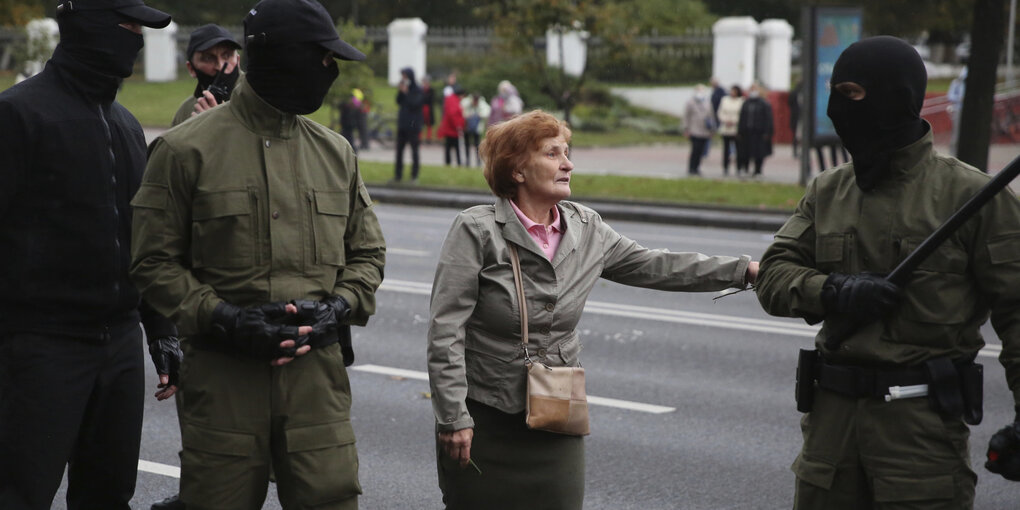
(184, 111)
(281, 215)
(901, 452)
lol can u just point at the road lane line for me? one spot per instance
(599, 401)
(159, 469)
(677, 316)
(409, 253)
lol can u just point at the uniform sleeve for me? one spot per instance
(454, 295)
(365, 254)
(788, 284)
(996, 264)
(13, 159)
(161, 242)
(629, 263)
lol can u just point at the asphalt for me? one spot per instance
(663, 161)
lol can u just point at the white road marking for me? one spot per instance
(600, 401)
(159, 469)
(778, 327)
(409, 253)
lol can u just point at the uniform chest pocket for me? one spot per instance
(940, 278)
(329, 211)
(829, 250)
(223, 229)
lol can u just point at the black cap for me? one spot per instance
(133, 9)
(276, 22)
(207, 36)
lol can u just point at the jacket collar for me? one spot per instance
(259, 116)
(513, 231)
(906, 161)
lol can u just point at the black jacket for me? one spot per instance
(71, 158)
(410, 117)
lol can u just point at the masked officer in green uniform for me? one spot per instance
(258, 252)
(854, 224)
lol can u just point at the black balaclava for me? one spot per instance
(95, 39)
(204, 80)
(889, 116)
(291, 76)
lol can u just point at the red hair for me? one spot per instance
(508, 146)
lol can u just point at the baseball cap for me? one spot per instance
(276, 22)
(207, 36)
(133, 9)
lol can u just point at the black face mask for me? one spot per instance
(889, 116)
(291, 77)
(224, 87)
(94, 39)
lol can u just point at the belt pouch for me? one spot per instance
(806, 370)
(972, 377)
(346, 346)
(944, 387)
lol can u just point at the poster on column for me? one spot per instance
(832, 29)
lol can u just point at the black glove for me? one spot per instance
(1004, 452)
(864, 296)
(254, 332)
(323, 316)
(166, 356)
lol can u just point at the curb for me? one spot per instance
(633, 211)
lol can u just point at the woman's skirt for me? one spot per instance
(520, 468)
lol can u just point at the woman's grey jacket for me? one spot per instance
(475, 350)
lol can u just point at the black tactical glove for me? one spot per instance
(166, 356)
(864, 296)
(1004, 451)
(323, 316)
(255, 332)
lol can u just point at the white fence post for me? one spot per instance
(406, 47)
(161, 53)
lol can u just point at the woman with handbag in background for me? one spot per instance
(488, 362)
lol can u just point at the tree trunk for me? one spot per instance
(982, 65)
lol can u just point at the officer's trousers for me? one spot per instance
(240, 415)
(71, 402)
(865, 453)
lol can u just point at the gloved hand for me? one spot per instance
(323, 316)
(166, 356)
(255, 332)
(1004, 451)
(864, 296)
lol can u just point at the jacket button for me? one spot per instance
(267, 144)
(276, 215)
(544, 330)
(550, 307)
(542, 352)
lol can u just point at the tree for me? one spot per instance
(17, 13)
(978, 100)
(353, 75)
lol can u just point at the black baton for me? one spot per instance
(901, 274)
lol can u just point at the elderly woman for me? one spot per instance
(487, 457)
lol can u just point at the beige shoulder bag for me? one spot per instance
(556, 400)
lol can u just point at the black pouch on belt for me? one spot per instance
(944, 394)
(806, 374)
(972, 377)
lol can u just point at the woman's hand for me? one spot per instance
(457, 445)
(752, 273)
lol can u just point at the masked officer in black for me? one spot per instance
(864, 447)
(71, 371)
(212, 60)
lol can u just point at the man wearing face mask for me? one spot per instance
(855, 223)
(71, 373)
(210, 47)
(263, 255)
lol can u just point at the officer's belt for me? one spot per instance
(866, 382)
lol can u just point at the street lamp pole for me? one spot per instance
(1009, 44)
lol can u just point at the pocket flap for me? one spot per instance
(907, 488)
(151, 196)
(317, 437)
(334, 203)
(794, 227)
(1004, 249)
(219, 204)
(814, 471)
(220, 442)
(505, 349)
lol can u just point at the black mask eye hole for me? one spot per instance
(851, 90)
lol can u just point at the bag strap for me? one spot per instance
(515, 261)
